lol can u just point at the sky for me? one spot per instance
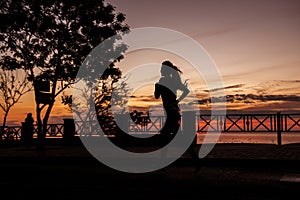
(255, 45)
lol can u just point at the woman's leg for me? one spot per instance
(171, 126)
(169, 130)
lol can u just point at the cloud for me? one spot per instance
(278, 87)
(279, 94)
(250, 98)
(146, 98)
(227, 87)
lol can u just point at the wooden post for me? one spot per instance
(26, 134)
(69, 131)
(24, 129)
(278, 129)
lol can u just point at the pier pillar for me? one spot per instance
(26, 133)
(69, 131)
(279, 129)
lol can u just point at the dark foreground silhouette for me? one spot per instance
(230, 171)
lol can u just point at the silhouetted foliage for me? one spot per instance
(140, 118)
(12, 87)
(110, 92)
(49, 39)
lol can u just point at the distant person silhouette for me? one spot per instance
(28, 129)
(166, 88)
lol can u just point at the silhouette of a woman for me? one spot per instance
(166, 88)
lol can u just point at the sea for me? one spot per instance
(254, 137)
(243, 137)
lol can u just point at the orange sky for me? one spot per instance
(255, 45)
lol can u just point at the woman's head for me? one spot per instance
(167, 68)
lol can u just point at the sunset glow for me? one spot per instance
(254, 44)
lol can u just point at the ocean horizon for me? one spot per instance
(254, 137)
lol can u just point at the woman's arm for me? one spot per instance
(157, 91)
(185, 92)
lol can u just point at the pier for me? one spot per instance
(230, 123)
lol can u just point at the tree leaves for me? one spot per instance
(50, 39)
(56, 35)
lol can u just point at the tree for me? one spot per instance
(49, 39)
(12, 87)
(114, 90)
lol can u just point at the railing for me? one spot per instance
(10, 132)
(290, 122)
(147, 124)
(216, 123)
(249, 123)
(14, 132)
(229, 123)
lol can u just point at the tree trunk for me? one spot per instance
(4, 119)
(46, 118)
(4, 123)
(40, 142)
(42, 127)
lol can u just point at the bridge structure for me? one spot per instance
(238, 123)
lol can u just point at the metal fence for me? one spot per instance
(14, 132)
(249, 123)
(214, 123)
